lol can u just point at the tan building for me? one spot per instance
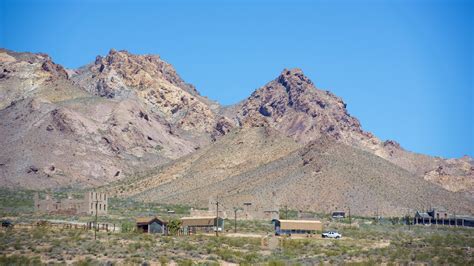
(289, 227)
(203, 223)
(91, 202)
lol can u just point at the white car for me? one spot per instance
(331, 235)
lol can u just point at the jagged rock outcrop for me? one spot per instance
(153, 81)
(293, 106)
(24, 75)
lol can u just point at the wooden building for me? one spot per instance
(152, 225)
(289, 227)
(202, 223)
(441, 217)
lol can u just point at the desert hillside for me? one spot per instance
(92, 138)
(130, 124)
(294, 106)
(244, 166)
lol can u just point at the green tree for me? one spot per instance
(127, 227)
(174, 226)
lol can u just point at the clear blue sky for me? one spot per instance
(405, 68)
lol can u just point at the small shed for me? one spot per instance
(153, 225)
(289, 227)
(202, 223)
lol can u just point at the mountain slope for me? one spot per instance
(90, 139)
(295, 107)
(239, 151)
(128, 115)
(323, 175)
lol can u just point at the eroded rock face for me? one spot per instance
(122, 75)
(292, 104)
(454, 174)
(24, 75)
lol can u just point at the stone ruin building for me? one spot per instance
(88, 205)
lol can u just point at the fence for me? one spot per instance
(65, 225)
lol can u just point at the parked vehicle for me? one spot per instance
(338, 215)
(7, 224)
(331, 234)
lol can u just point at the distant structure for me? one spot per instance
(289, 227)
(151, 225)
(71, 206)
(249, 208)
(191, 225)
(439, 216)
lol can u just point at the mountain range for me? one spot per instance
(131, 125)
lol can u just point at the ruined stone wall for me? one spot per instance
(72, 206)
(93, 198)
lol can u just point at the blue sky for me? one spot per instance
(404, 68)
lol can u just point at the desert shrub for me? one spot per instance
(127, 227)
(19, 260)
(276, 263)
(251, 257)
(185, 262)
(164, 260)
(226, 254)
(209, 263)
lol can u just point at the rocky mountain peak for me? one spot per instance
(294, 78)
(292, 104)
(154, 82)
(137, 71)
(24, 75)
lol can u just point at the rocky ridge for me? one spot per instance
(91, 139)
(130, 119)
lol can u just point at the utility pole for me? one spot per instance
(377, 217)
(350, 218)
(96, 226)
(96, 201)
(455, 221)
(235, 219)
(408, 218)
(246, 208)
(217, 216)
